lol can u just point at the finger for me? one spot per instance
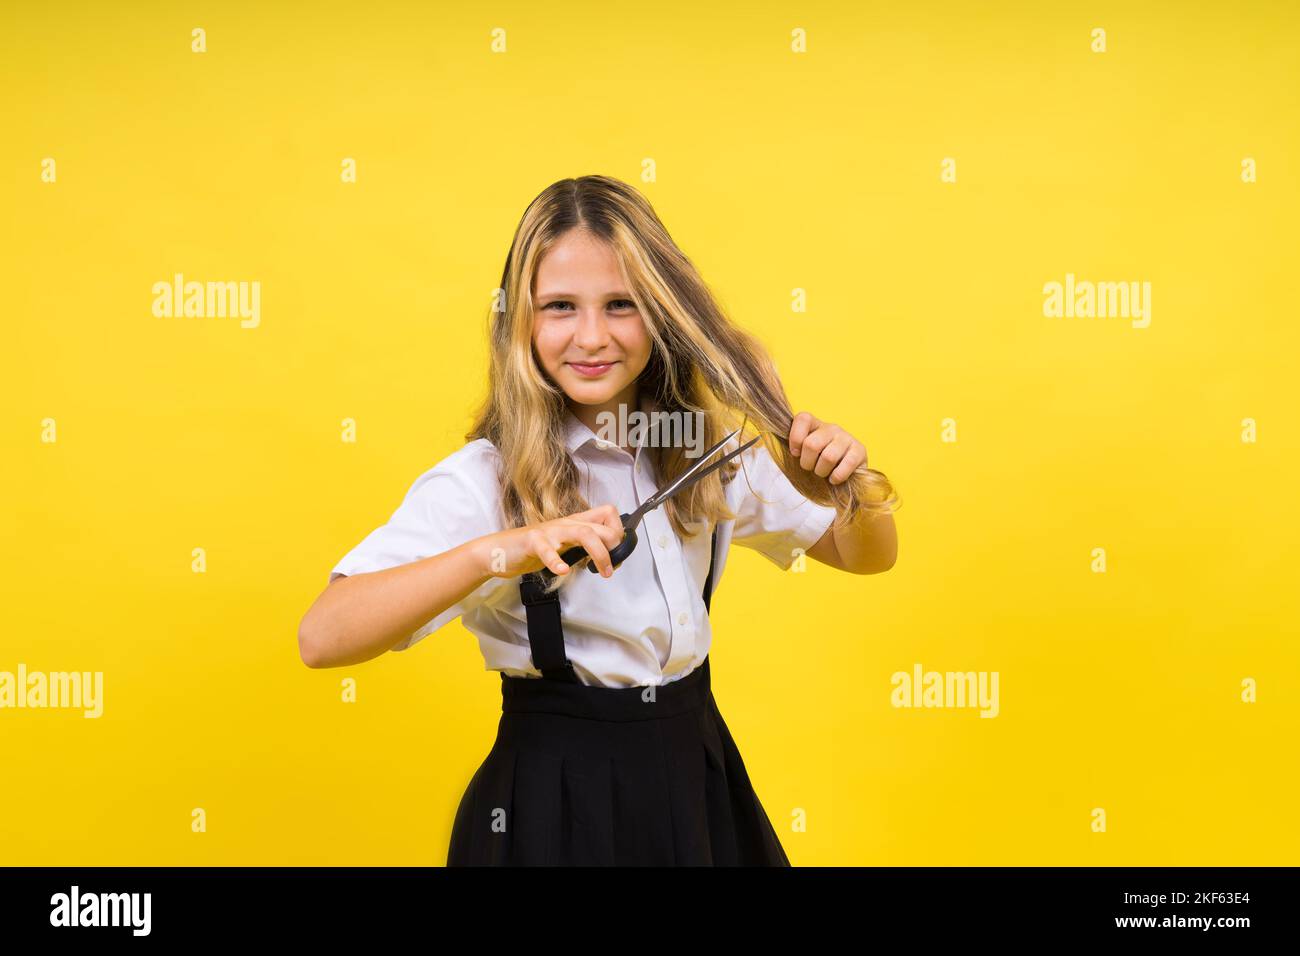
(813, 446)
(606, 515)
(856, 456)
(611, 536)
(803, 424)
(545, 550)
(831, 456)
(590, 540)
(609, 516)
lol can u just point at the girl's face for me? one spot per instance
(589, 335)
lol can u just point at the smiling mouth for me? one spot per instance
(588, 370)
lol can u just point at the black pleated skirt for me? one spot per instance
(601, 776)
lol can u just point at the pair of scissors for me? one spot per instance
(618, 554)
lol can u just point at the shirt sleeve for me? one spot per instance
(445, 507)
(773, 517)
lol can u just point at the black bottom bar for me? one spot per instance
(209, 904)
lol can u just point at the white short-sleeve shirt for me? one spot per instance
(647, 624)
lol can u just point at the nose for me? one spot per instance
(592, 330)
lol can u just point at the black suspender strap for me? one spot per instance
(545, 632)
(713, 556)
(545, 635)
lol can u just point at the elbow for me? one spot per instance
(309, 647)
(885, 558)
(880, 566)
(890, 560)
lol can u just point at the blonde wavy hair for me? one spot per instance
(700, 363)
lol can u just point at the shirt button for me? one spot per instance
(663, 541)
(682, 618)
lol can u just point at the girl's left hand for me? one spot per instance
(825, 449)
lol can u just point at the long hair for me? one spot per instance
(700, 363)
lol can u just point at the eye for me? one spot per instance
(563, 305)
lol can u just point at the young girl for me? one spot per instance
(610, 748)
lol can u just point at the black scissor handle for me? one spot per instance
(617, 554)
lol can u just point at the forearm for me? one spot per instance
(868, 545)
(359, 617)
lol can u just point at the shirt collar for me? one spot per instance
(576, 434)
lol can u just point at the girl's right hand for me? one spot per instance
(532, 547)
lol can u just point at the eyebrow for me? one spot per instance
(570, 295)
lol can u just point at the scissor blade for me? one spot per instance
(690, 478)
(672, 489)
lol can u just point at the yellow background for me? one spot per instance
(775, 171)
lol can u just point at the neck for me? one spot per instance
(588, 414)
